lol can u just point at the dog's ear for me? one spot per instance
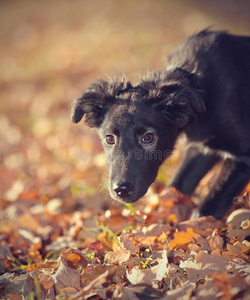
(175, 95)
(93, 104)
(181, 104)
(97, 100)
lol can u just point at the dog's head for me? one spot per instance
(138, 125)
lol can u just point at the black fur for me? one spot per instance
(203, 92)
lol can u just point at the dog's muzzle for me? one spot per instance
(124, 190)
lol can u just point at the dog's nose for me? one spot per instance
(124, 190)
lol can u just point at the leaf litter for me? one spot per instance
(60, 235)
(160, 260)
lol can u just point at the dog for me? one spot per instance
(204, 93)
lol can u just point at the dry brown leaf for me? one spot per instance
(16, 285)
(245, 224)
(97, 282)
(111, 258)
(240, 265)
(235, 219)
(103, 238)
(32, 285)
(121, 254)
(216, 243)
(72, 258)
(95, 277)
(153, 235)
(194, 247)
(150, 276)
(28, 221)
(240, 234)
(238, 224)
(176, 206)
(204, 264)
(132, 262)
(209, 244)
(46, 281)
(204, 226)
(115, 220)
(116, 274)
(155, 229)
(238, 248)
(229, 287)
(137, 275)
(126, 242)
(204, 242)
(66, 277)
(5, 256)
(162, 268)
(14, 297)
(139, 292)
(182, 239)
(68, 292)
(207, 290)
(183, 292)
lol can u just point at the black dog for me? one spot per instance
(204, 92)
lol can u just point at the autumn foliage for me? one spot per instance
(61, 236)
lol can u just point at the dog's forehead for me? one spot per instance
(123, 114)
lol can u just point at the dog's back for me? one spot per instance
(221, 63)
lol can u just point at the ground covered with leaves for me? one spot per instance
(61, 236)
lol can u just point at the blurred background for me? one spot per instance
(50, 52)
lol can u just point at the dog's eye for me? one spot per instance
(148, 138)
(110, 139)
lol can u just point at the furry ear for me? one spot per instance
(175, 93)
(94, 104)
(181, 105)
(97, 100)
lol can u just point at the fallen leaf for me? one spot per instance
(238, 248)
(204, 226)
(46, 281)
(207, 290)
(127, 244)
(14, 297)
(204, 264)
(104, 239)
(137, 276)
(88, 276)
(184, 292)
(121, 254)
(32, 285)
(235, 219)
(239, 224)
(182, 239)
(94, 284)
(162, 267)
(28, 221)
(16, 285)
(66, 277)
(5, 279)
(72, 258)
(176, 206)
(245, 224)
(139, 292)
(150, 276)
(68, 292)
(216, 243)
(229, 288)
